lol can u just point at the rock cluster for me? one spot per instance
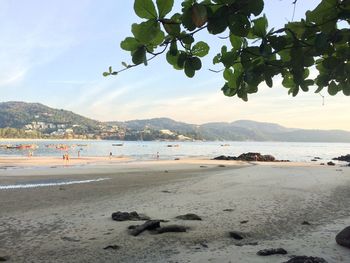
(248, 157)
(126, 216)
(345, 158)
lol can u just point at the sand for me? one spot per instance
(72, 223)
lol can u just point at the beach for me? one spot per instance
(51, 211)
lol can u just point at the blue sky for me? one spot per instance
(54, 52)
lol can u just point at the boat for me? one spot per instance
(173, 145)
(117, 144)
(23, 146)
(62, 147)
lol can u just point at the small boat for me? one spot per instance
(23, 146)
(225, 145)
(117, 144)
(173, 145)
(62, 147)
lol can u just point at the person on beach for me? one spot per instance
(78, 154)
(110, 155)
(157, 155)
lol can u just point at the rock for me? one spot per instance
(322, 164)
(305, 259)
(148, 225)
(177, 159)
(237, 235)
(345, 158)
(343, 237)
(306, 223)
(331, 163)
(113, 247)
(189, 217)
(313, 160)
(4, 258)
(317, 158)
(244, 222)
(171, 228)
(132, 216)
(272, 251)
(228, 210)
(225, 158)
(251, 156)
(221, 165)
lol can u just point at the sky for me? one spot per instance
(54, 52)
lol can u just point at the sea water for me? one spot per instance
(142, 150)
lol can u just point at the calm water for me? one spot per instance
(147, 150)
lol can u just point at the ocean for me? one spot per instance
(142, 150)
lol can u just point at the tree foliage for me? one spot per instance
(255, 53)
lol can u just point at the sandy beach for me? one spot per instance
(65, 214)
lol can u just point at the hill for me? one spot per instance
(16, 114)
(36, 117)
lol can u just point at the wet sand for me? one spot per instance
(72, 223)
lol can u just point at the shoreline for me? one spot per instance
(72, 223)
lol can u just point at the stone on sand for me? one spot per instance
(343, 237)
(189, 217)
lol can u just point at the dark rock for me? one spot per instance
(228, 210)
(305, 259)
(148, 225)
(221, 165)
(4, 258)
(345, 158)
(272, 251)
(166, 192)
(203, 244)
(113, 247)
(249, 157)
(322, 164)
(343, 237)
(171, 228)
(314, 160)
(317, 158)
(132, 216)
(203, 166)
(225, 158)
(305, 223)
(244, 222)
(177, 159)
(237, 235)
(331, 163)
(189, 217)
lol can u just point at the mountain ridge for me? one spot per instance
(16, 114)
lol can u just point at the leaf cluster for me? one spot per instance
(255, 53)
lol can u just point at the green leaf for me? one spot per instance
(145, 9)
(196, 63)
(253, 7)
(187, 39)
(333, 88)
(139, 56)
(260, 26)
(199, 15)
(228, 91)
(164, 7)
(187, 21)
(146, 31)
(110, 70)
(171, 27)
(106, 74)
(239, 25)
(236, 42)
(200, 49)
(189, 70)
(129, 44)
